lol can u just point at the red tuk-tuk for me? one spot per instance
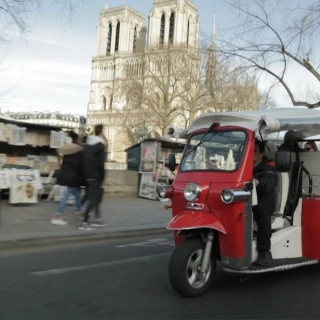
(213, 194)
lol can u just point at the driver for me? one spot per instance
(265, 180)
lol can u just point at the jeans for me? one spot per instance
(75, 191)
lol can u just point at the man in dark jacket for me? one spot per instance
(70, 175)
(93, 168)
(265, 180)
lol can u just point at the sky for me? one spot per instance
(49, 69)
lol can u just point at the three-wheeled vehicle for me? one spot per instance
(213, 194)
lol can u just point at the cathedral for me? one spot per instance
(124, 40)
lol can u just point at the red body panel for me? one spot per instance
(311, 228)
(195, 219)
(229, 217)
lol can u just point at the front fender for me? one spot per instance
(187, 220)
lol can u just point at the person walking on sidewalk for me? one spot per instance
(93, 168)
(70, 176)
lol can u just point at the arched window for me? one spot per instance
(188, 30)
(109, 39)
(162, 27)
(105, 72)
(171, 28)
(135, 39)
(104, 103)
(116, 46)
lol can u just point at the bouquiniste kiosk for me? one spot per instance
(28, 158)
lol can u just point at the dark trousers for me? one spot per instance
(94, 193)
(262, 215)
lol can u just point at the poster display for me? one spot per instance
(148, 159)
(57, 139)
(24, 186)
(5, 179)
(152, 168)
(16, 135)
(148, 186)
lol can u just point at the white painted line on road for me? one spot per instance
(97, 265)
(149, 243)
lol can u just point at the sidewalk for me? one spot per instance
(27, 225)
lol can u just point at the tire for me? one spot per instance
(184, 268)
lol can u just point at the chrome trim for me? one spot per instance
(194, 206)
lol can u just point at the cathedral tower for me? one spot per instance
(119, 63)
(120, 30)
(173, 22)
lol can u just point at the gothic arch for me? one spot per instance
(191, 19)
(104, 72)
(103, 103)
(136, 68)
(172, 27)
(135, 38)
(127, 68)
(101, 71)
(131, 68)
(162, 28)
(109, 37)
(117, 39)
(122, 140)
(104, 92)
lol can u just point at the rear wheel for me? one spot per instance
(184, 268)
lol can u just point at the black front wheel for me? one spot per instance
(184, 268)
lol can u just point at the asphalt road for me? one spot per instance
(128, 279)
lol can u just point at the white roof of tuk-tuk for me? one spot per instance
(268, 121)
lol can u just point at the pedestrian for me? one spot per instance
(70, 175)
(94, 172)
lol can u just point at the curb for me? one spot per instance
(41, 241)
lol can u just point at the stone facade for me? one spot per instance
(123, 42)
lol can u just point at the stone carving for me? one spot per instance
(180, 5)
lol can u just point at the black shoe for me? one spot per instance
(264, 258)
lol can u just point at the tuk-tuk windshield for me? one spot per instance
(220, 150)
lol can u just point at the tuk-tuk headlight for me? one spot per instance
(192, 191)
(227, 195)
(164, 192)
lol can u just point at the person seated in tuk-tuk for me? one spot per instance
(288, 141)
(265, 180)
(310, 146)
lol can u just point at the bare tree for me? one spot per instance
(181, 83)
(236, 89)
(276, 37)
(196, 81)
(162, 85)
(14, 15)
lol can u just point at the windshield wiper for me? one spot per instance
(214, 124)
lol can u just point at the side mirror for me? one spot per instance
(171, 163)
(283, 161)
